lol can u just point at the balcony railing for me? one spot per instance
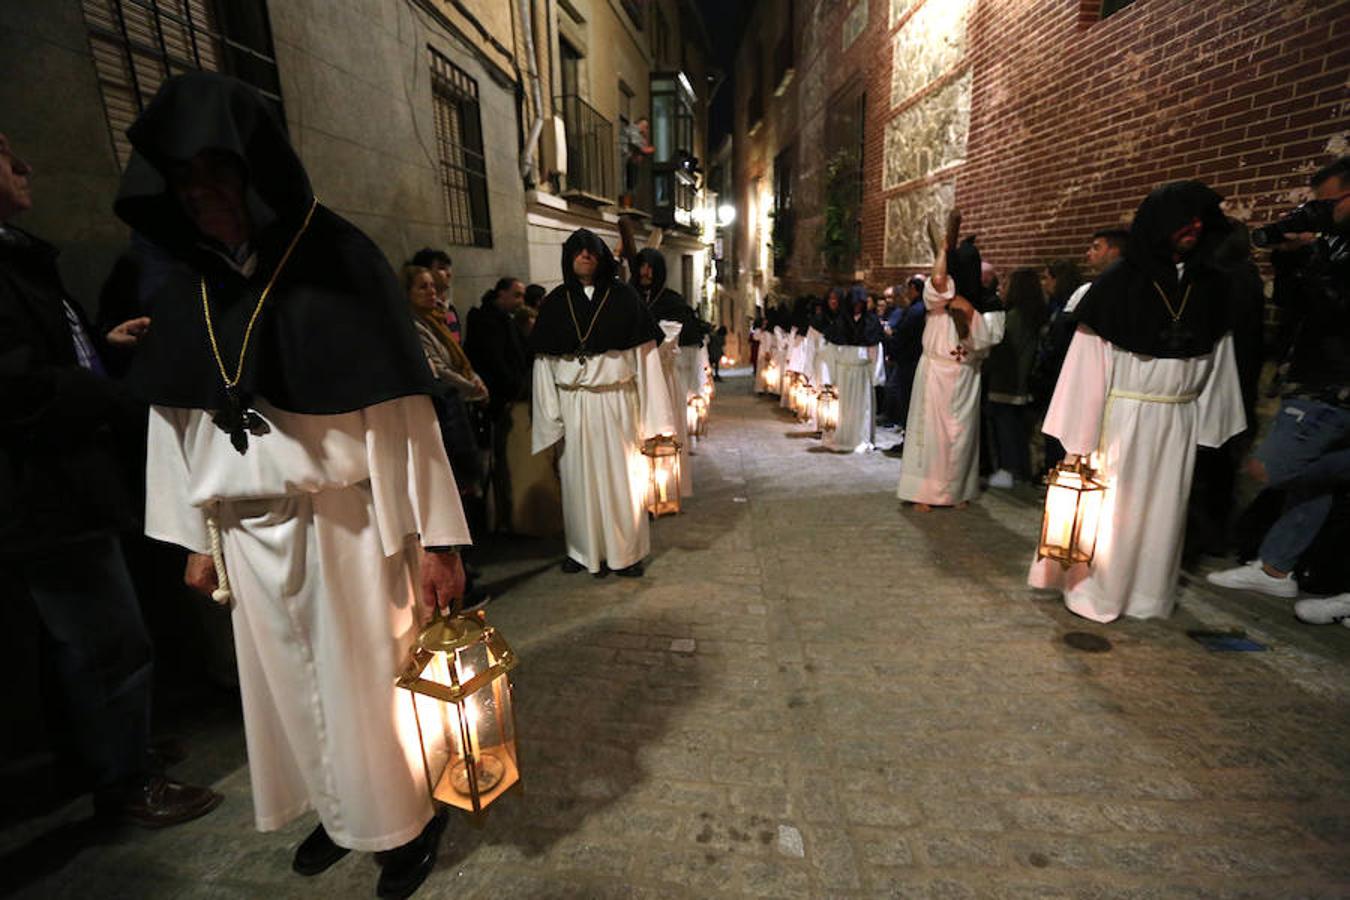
(590, 150)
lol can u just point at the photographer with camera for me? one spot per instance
(1307, 452)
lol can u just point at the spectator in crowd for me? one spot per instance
(534, 295)
(1107, 246)
(66, 432)
(1150, 374)
(598, 391)
(904, 346)
(637, 151)
(525, 317)
(1008, 372)
(1059, 280)
(299, 460)
(457, 382)
(717, 345)
(1307, 452)
(1214, 488)
(496, 348)
(756, 327)
(438, 263)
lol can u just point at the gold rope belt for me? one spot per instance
(599, 388)
(1152, 398)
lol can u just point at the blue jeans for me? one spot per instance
(1306, 454)
(98, 653)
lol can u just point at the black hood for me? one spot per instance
(657, 261)
(334, 334)
(663, 303)
(963, 266)
(567, 314)
(606, 270)
(1126, 305)
(206, 111)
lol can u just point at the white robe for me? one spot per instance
(941, 464)
(672, 355)
(820, 371)
(1141, 418)
(319, 523)
(603, 411)
(791, 363)
(855, 376)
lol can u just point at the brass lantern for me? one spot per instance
(827, 409)
(663, 478)
(771, 378)
(461, 697)
(1073, 504)
(696, 414)
(810, 399)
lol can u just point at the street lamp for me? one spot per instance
(1073, 504)
(726, 214)
(457, 678)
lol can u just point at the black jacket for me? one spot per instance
(1314, 291)
(67, 435)
(496, 348)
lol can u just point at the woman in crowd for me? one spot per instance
(1007, 373)
(458, 383)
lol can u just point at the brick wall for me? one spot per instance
(1073, 119)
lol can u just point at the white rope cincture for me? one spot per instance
(221, 594)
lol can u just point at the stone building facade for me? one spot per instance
(602, 66)
(353, 79)
(442, 123)
(1042, 120)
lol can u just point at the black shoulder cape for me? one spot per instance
(335, 334)
(624, 320)
(664, 303)
(863, 332)
(1125, 304)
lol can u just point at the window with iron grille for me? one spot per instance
(138, 44)
(459, 149)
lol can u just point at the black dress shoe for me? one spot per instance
(571, 566)
(157, 802)
(633, 571)
(403, 869)
(316, 853)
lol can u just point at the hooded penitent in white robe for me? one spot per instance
(602, 411)
(671, 356)
(941, 464)
(855, 375)
(1141, 419)
(319, 526)
(791, 362)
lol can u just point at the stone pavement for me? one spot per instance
(817, 693)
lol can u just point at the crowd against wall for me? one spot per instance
(981, 381)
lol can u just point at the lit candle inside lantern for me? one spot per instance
(662, 477)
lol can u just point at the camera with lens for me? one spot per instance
(1315, 216)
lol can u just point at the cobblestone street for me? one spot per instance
(817, 693)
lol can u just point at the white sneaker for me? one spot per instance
(1252, 577)
(1001, 479)
(1324, 610)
